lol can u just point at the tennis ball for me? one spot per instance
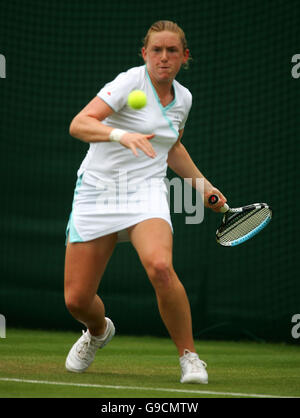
(137, 99)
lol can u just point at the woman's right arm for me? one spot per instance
(87, 127)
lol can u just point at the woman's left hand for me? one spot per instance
(210, 190)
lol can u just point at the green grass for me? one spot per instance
(144, 362)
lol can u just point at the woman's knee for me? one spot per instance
(160, 271)
(76, 303)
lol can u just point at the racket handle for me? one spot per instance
(213, 199)
(224, 208)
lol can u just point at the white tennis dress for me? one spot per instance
(115, 189)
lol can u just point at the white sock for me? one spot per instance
(99, 337)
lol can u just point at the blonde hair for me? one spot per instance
(167, 25)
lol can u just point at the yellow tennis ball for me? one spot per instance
(137, 99)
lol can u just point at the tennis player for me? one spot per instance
(137, 145)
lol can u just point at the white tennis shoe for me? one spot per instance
(84, 350)
(193, 369)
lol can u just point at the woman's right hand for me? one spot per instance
(140, 141)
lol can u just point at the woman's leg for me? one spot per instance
(153, 242)
(85, 263)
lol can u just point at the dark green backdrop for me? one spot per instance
(243, 133)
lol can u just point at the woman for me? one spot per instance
(139, 145)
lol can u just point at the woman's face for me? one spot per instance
(164, 55)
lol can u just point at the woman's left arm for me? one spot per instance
(180, 162)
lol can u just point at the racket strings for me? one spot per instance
(241, 225)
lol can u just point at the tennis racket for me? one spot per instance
(240, 224)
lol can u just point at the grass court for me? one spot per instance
(32, 366)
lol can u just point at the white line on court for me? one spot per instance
(90, 385)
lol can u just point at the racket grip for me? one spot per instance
(224, 208)
(213, 199)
